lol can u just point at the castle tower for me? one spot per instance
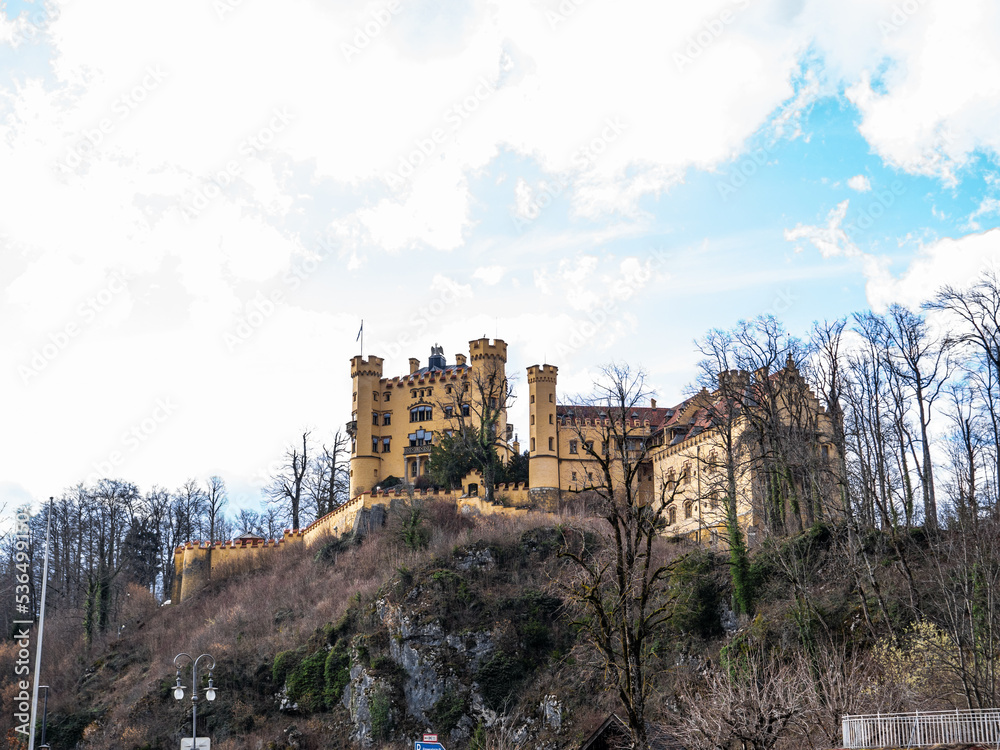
(543, 456)
(365, 376)
(488, 378)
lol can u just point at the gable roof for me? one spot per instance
(614, 734)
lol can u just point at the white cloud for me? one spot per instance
(272, 149)
(921, 115)
(489, 275)
(952, 261)
(860, 183)
(831, 240)
(987, 207)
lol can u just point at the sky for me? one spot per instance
(201, 201)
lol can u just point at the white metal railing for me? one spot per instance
(922, 729)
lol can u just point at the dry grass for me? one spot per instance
(243, 620)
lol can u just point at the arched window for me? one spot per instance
(421, 413)
(671, 516)
(688, 508)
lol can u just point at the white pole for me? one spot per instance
(41, 631)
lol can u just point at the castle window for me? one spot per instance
(532, 445)
(386, 418)
(573, 476)
(686, 475)
(375, 395)
(421, 413)
(532, 419)
(604, 448)
(572, 446)
(448, 411)
(447, 389)
(465, 410)
(532, 398)
(420, 437)
(375, 417)
(413, 393)
(713, 498)
(552, 446)
(688, 508)
(374, 445)
(590, 446)
(385, 396)
(590, 477)
(355, 396)
(385, 444)
(551, 398)
(671, 516)
(551, 419)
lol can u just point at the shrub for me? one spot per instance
(307, 682)
(337, 673)
(413, 532)
(478, 739)
(381, 714)
(499, 678)
(285, 662)
(448, 711)
(697, 596)
(329, 551)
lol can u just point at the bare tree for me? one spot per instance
(621, 587)
(216, 498)
(250, 522)
(753, 701)
(330, 481)
(288, 488)
(923, 363)
(477, 411)
(977, 311)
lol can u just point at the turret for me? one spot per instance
(488, 379)
(543, 456)
(366, 375)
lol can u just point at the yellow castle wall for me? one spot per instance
(196, 563)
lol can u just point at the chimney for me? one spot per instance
(459, 359)
(414, 365)
(652, 403)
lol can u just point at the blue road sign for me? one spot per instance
(428, 746)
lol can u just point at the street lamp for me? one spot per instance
(179, 689)
(45, 716)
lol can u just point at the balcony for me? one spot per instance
(411, 450)
(352, 427)
(922, 729)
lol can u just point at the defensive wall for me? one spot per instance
(195, 563)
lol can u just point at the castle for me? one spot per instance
(762, 436)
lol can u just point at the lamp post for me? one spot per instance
(179, 689)
(45, 716)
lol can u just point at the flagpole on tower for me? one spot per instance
(361, 337)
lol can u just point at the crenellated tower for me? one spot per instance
(543, 446)
(366, 375)
(488, 363)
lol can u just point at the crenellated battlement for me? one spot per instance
(483, 349)
(361, 367)
(542, 374)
